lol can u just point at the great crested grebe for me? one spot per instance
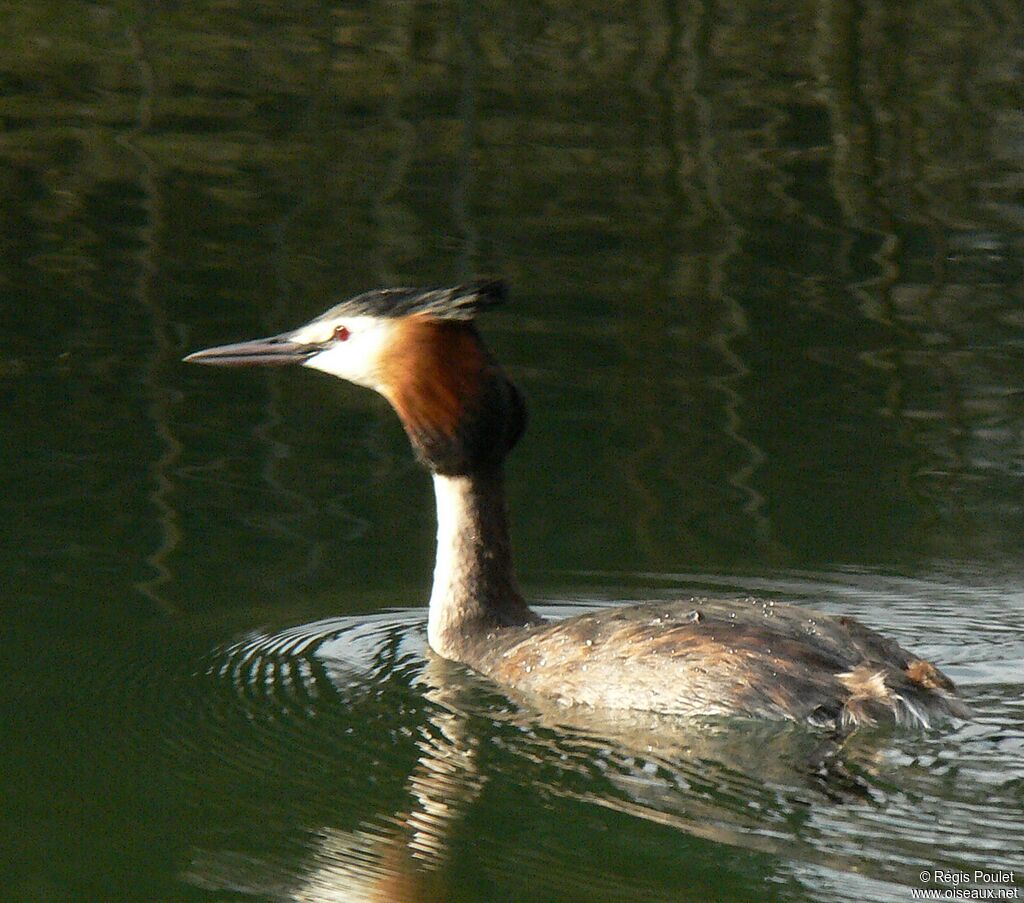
(420, 349)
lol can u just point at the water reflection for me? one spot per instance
(879, 804)
(745, 269)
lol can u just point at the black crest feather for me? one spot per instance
(460, 302)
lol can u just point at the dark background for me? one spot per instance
(767, 270)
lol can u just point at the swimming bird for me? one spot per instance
(422, 351)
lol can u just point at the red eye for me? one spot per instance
(341, 333)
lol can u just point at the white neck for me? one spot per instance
(474, 588)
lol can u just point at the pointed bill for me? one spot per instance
(276, 351)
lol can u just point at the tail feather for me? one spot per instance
(916, 696)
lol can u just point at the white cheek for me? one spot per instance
(357, 359)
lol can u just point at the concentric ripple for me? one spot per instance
(287, 670)
(310, 694)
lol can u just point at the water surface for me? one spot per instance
(766, 269)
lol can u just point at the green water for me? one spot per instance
(767, 270)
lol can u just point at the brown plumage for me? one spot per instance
(458, 407)
(722, 657)
(432, 372)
